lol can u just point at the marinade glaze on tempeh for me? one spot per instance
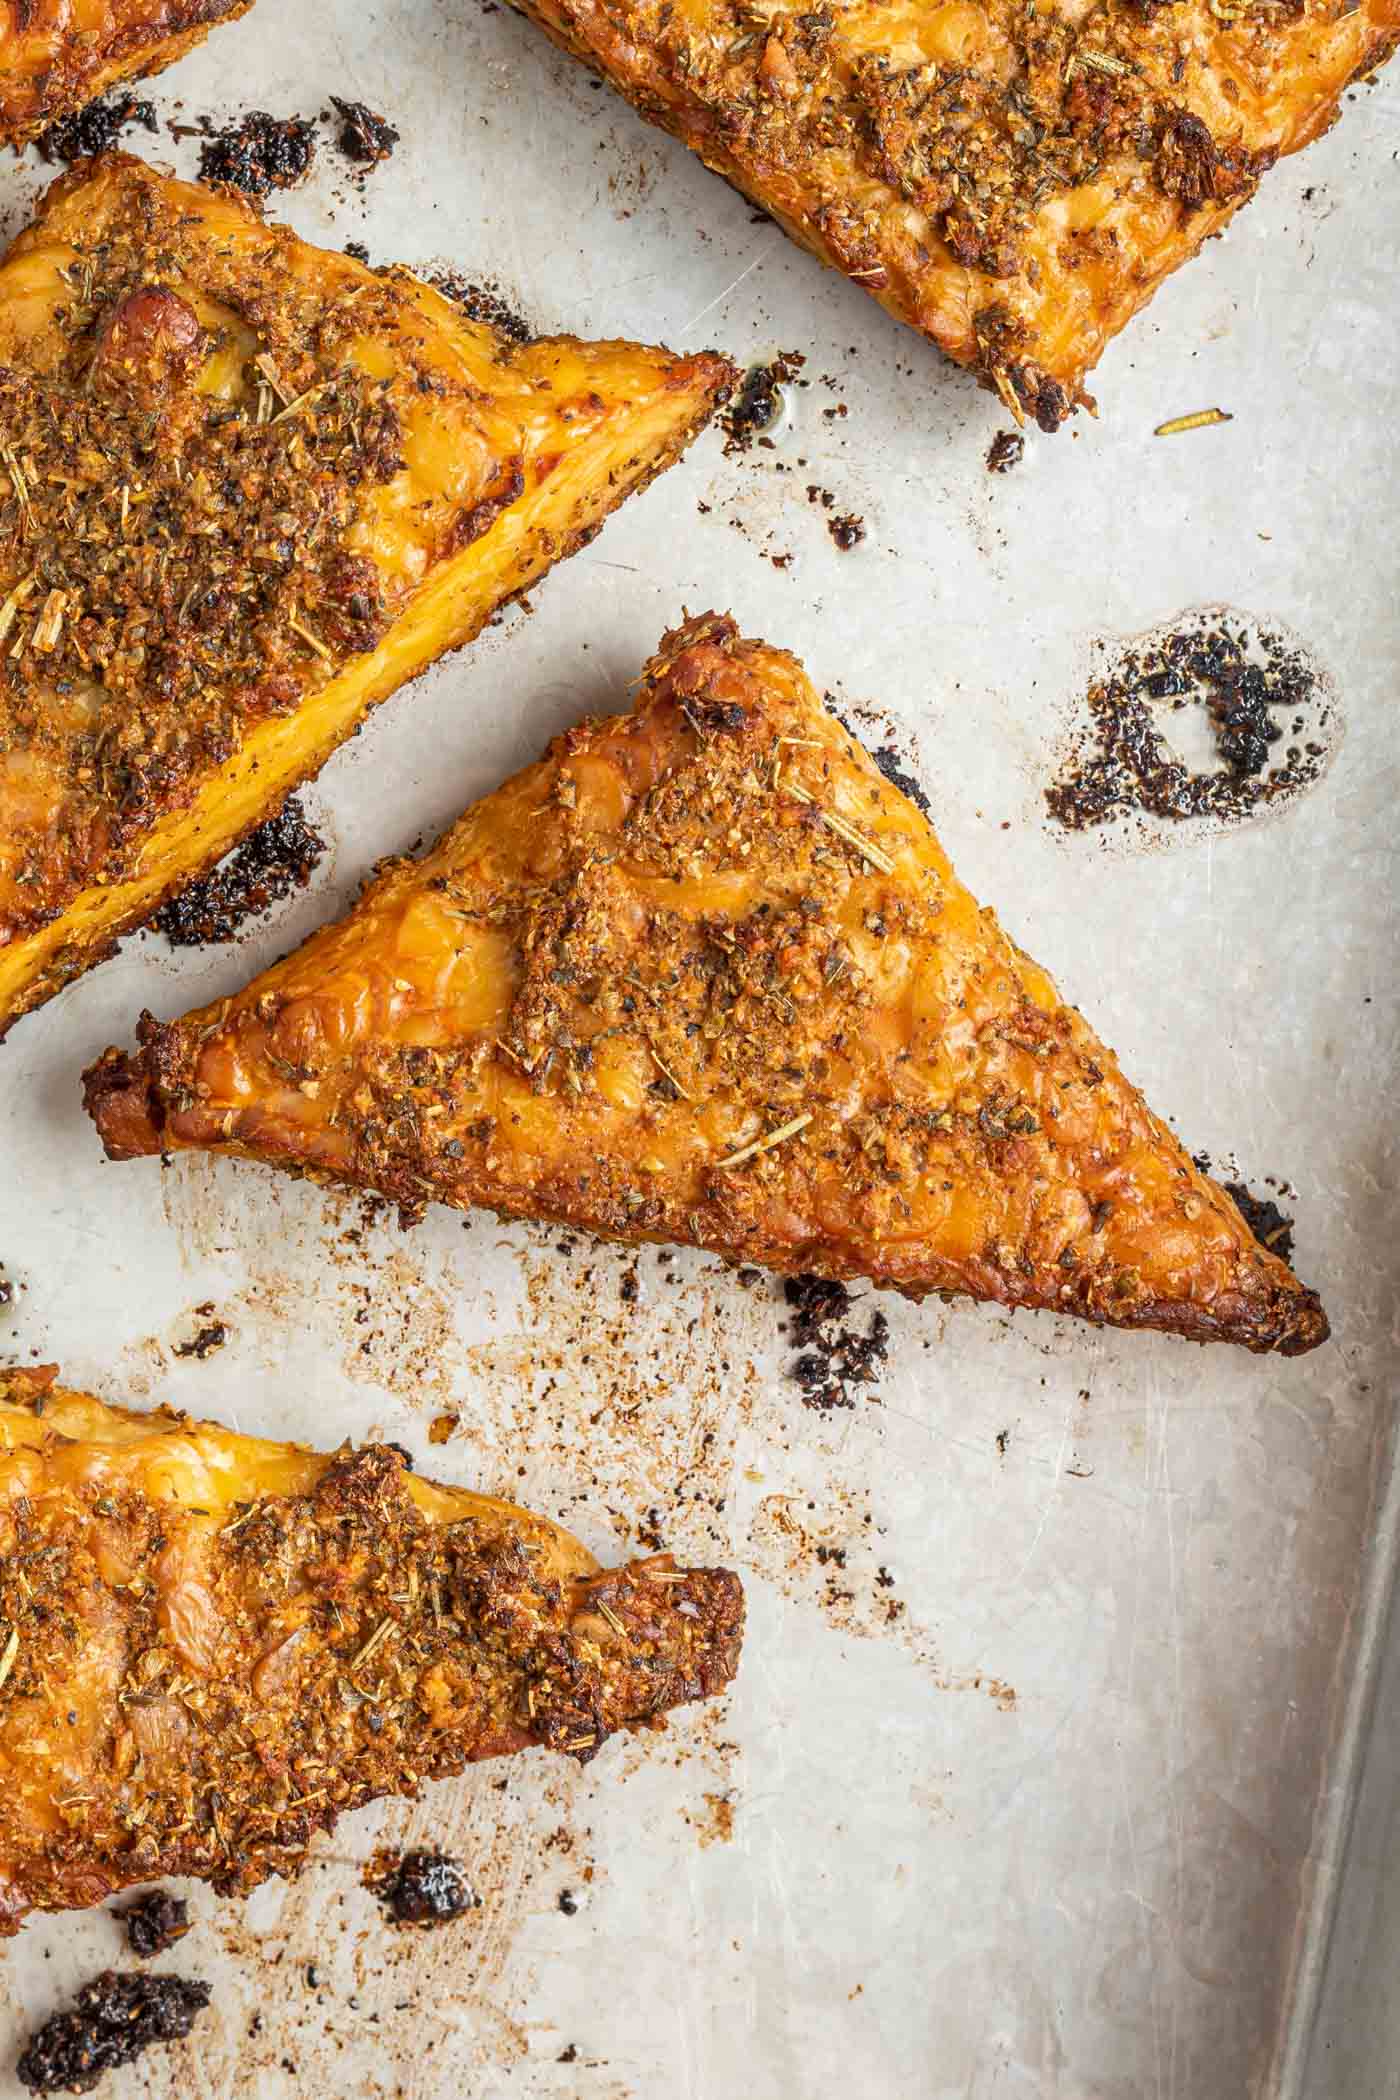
(1014, 178)
(247, 488)
(213, 1645)
(704, 974)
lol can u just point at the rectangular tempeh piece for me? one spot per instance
(1012, 177)
(704, 974)
(248, 487)
(56, 57)
(212, 1645)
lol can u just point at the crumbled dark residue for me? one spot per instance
(364, 136)
(7, 1290)
(1266, 705)
(92, 130)
(569, 1903)
(154, 1922)
(273, 861)
(210, 1337)
(113, 2020)
(1007, 450)
(847, 531)
(1272, 1227)
(259, 153)
(835, 1357)
(756, 407)
(886, 756)
(424, 1888)
(483, 302)
(358, 250)
(888, 760)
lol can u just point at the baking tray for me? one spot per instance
(1037, 1774)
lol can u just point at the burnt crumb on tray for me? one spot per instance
(272, 861)
(1007, 450)
(483, 302)
(364, 136)
(154, 1922)
(847, 530)
(758, 404)
(91, 131)
(259, 153)
(835, 1358)
(209, 1338)
(1272, 1227)
(114, 2019)
(888, 760)
(423, 1888)
(358, 251)
(887, 757)
(1267, 710)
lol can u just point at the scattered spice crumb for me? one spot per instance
(848, 531)
(569, 2055)
(442, 1427)
(1003, 1440)
(758, 404)
(649, 1533)
(718, 1828)
(92, 130)
(483, 302)
(1257, 689)
(113, 2020)
(835, 1358)
(272, 861)
(154, 1922)
(569, 1903)
(259, 153)
(1200, 419)
(1007, 450)
(364, 136)
(422, 1888)
(358, 250)
(1272, 1227)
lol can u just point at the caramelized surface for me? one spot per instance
(703, 974)
(57, 55)
(1012, 177)
(249, 488)
(211, 1645)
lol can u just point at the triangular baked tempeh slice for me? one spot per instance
(703, 974)
(55, 58)
(1013, 181)
(248, 488)
(215, 1644)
